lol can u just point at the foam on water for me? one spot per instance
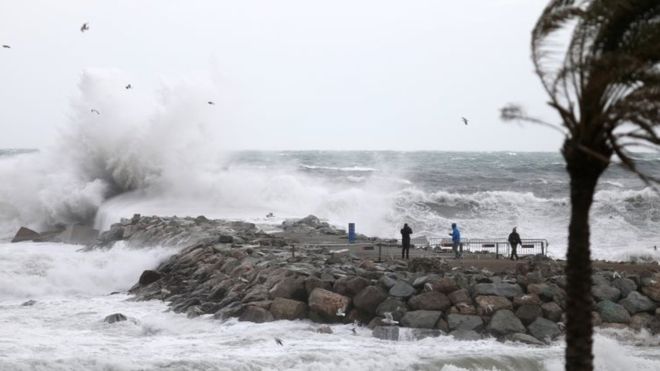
(64, 330)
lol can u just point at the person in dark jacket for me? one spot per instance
(514, 241)
(406, 231)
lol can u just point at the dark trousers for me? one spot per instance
(405, 250)
(514, 247)
(455, 246)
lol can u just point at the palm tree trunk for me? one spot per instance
(578, 271)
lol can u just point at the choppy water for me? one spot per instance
(64, 330)
(485, 193)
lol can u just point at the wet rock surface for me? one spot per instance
(233, 269)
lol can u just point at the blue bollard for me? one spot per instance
(351, 232)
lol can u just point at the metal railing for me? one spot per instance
(497, 246)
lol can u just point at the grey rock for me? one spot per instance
(603, 292)
(393, 306)
(465, 335)
(641, 320)
(464, 322)
(402, 289)
(491, 304)
(504, 322)
(289, 288)
(625, 286)
(421, 318)
(612, 312)
(325, 329)
(525, 339)
(544, 330)
(552, 311)
(350, 286)
(460, 296)
(509, 290)
(636, 302)
(148, 276)
(116, 317)
(255, 314)
(29, 303)
(288, 309)
(387, 282)
(327, 304)
(26, 234)
(386, 332)
(528, 313)
(431, 300)
(369, 299)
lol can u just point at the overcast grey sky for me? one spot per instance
(288, 74)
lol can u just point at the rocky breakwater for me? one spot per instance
(261, 279)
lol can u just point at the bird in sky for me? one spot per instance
(84, 27)
(389, 319)
(279, 341)
(129, 86)
(95, 111)
(6, 46)
(211, 102)
(465, 121)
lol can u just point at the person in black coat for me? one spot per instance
(514, 241)
(405, 241)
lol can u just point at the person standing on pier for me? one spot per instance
(514, 241)
(406, 231)
(455, 241)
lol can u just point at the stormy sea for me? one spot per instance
(486, 194)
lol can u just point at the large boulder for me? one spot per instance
(386, 332)
(528, 313)
(465, 335)
(492, 304)
(431, 300)
(636, 302)
(313, 282)
(464, 322)
(544, 330)
(421, 318)
(504, 322)
(460, 296)
(26, 234)
(652, 290)
(552, 311)
(394, 306)
(148, 277)
(255, 314)
(369, 299)
(625, 286)
(350, 286)
(641, 320)
(445, 285)
(402, 289)
(288, 309)
(509, 290)
(525, 339)
(605, 292)
(328, 304)
(289, 288)
(612, 312)
(116, 317)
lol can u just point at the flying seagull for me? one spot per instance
(6, 46)
(211, 102)
(84, 27)
(279, 341)
(341, 313)
(465, 121)
(95, 111)
(129, 86)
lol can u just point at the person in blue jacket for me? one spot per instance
(455, 240)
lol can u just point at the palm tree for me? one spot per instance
(599, 62)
